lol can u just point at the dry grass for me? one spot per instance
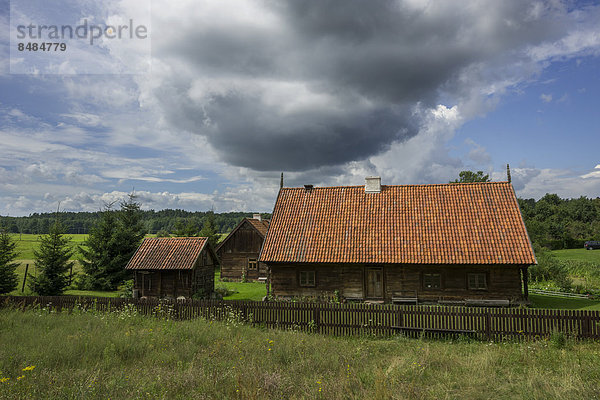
(124, 356)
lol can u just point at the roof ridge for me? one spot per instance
(406, 185)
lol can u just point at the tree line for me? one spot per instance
(164, 221)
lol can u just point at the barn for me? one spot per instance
(239, 251)
(173, 267)
(463, 243)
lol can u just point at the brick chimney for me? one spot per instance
(373, 184)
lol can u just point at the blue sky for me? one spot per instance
(234, 93)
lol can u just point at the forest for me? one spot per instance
(163, 221)
(557, 223)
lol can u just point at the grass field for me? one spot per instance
(244, 291)
(120, 356)
(578, 254)
(540, 301)
(27, 243)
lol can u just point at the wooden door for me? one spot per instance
(374, 283)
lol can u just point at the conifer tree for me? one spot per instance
(100, 262)
(209, 229)
(8, 274)
(110, 245)
(52, 262)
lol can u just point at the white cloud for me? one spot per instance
(546, 98)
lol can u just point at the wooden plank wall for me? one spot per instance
(347, 319)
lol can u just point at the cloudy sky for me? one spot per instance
(221, 97)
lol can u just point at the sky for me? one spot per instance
(219, 98)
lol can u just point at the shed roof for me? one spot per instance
(261, 228)
(167, 253)
(475, 223)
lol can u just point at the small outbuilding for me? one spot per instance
(173, 267)
(239, 251)
(462, 243)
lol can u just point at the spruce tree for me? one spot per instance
(100, 262)
(209, 229)
(52, 262)
(111, 243)
(8, 273)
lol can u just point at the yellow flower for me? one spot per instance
(269, 349)
(2, 380)
(29, 368)
(20, 377)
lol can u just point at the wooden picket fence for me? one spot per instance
(346, 319)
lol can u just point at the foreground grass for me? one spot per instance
(131, 357)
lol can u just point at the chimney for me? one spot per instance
(308, 188)
(373, 184)
(256, 216)
(508, 172)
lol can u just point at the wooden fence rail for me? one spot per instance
(346, 319)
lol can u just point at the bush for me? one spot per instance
(549, 268)
(224, 291)
(127, 289)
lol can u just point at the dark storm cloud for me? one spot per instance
(321, 83)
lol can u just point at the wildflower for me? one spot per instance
(269, 349)
(20, 377)
(2, 380)
(29, 368)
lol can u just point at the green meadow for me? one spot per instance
(85, 355)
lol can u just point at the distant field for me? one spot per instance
(578, 254)
(540, 301)
(27, 243)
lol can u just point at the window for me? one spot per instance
(252, 264)
(307, 278)
(477, 281)
(432, 281)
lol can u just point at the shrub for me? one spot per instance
(549, 268)
(224, 291)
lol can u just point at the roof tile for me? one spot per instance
(167, 253)
(478, 223)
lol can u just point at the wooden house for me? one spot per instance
(173, 267)
(454, 243)
(239, 251)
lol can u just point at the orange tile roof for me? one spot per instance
(261, 226)
(477, 223)
(167, 253)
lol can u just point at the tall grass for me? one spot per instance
(126, 356)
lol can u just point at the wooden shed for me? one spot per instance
(173, 267)
(239, 251)
(461, 243)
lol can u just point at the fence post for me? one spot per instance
(24, 277)
(316, 316)
(488, 323)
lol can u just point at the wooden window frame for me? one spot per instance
(423, 283)
(478, 287)
(252, 261)
(307, 282)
